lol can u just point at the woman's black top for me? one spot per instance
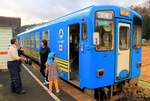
(44, 54)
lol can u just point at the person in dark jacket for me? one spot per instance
(44, 51)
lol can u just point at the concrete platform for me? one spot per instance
(34, 91)
(68, 91)
(63, 96)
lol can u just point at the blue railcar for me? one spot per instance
(96, 46)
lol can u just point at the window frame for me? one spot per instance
(128, 38)
(113, 30)
(28, 41)
(36, 40)
(48, 40)
(137, 45)
(137, 21)
(32, 40)
(86, 33)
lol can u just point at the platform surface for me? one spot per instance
(34, 91)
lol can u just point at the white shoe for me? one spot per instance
(46, 83)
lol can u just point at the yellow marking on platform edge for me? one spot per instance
(41, 84)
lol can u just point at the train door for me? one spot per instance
(123, 66)
(74, 40)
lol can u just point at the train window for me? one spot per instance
(37, 38)
(25, 41)
(28, 41)
(32, 40)
(21, 42)
(46, 36)
(84, 31)
(137, 35)
(124, 38)
(24, 37)
(105, 34)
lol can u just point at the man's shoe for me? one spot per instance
(22, 92)
(13, 91)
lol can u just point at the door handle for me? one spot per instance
(118, 53)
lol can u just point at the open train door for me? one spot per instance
(74, 40)
(77, 38)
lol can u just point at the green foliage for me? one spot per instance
(146, 26)
(145, 21)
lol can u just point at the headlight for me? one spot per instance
(124, 12)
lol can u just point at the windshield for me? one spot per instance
(106, 34)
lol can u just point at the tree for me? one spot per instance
(146, 26)
(145, 13)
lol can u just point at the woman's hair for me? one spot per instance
(44, 42)
(12, 41)
(53, 58)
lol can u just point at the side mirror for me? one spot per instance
(96, 38)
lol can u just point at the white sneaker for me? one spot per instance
(46, 83)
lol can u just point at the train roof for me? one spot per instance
(82, 12)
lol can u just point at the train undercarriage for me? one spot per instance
(122, 90)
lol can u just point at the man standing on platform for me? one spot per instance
(13, 67)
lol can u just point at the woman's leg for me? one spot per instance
(42, 69)
(50, 86)
(56, 85)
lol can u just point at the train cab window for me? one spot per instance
(124, 38)
(84, 31)
(46, 36)
(32, 40)
(37, 38)
(105, 34)
(137, 35)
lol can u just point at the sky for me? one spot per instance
(37, 11)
